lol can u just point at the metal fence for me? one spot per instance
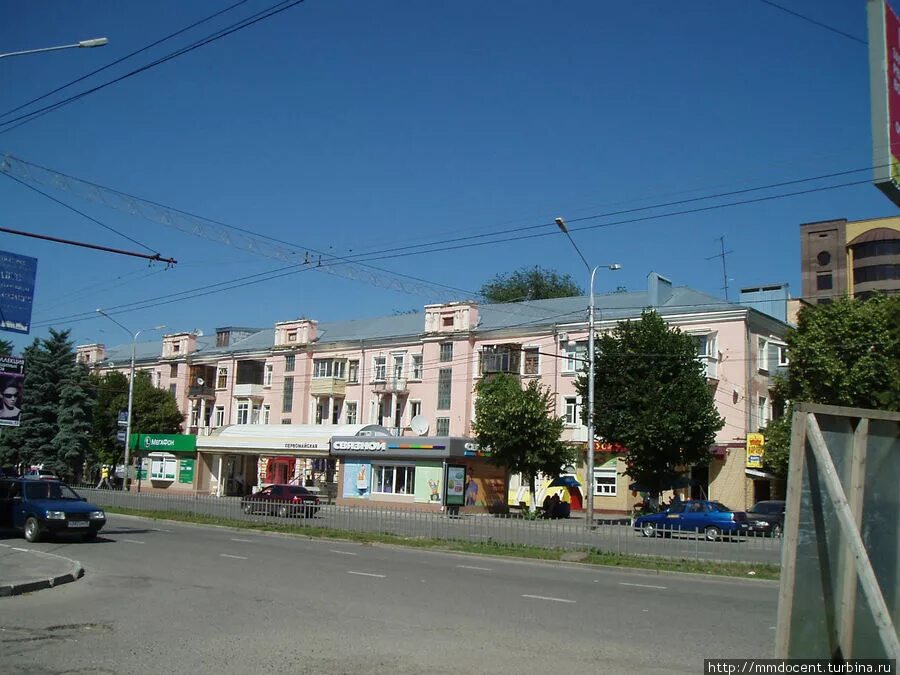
(512, 529)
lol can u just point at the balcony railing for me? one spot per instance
(249, 391)
(201, 391)
(711, 365)
(395, 385)
(328, 386)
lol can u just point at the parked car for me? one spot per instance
(40, 474)
(282, 500)
(713, 519)
(767, 518)
(38, 508)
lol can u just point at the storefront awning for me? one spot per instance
(291, 440)
(756, 473)
(407, 447)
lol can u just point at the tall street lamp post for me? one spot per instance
(93, 42)
(134, 337)
(589, 505)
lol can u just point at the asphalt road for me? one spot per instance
(166, 597)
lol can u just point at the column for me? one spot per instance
(201, 423)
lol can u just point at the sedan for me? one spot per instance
(282, 500)
(39, 508)
(767, 518)
(713, 519)
(40, 474)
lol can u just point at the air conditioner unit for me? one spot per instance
(563, 338)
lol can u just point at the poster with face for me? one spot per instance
(12, 375)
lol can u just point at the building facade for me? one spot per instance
(415, 374)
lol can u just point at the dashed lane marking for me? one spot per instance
(235, 557)
(367, 574)
(544, 597)
(472, 567)
(132, 541)
(625, 583)
(243, 541)
(334, 550)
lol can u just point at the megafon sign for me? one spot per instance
(884, 83)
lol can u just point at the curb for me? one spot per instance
(75, 572)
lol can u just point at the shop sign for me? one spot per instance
(607, 447)
(756, 448)
(360, 446)
(163, 442)
(186, 471)
(305, 446)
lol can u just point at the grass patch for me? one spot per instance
(592, 557)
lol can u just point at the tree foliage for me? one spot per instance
(6, 348)
(520, 427)
(529, 283)
(651, 397)
(56, 401)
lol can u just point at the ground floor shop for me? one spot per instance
(163, 462)
(425, 473)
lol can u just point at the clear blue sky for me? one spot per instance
(366, 126)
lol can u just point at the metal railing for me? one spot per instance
(612, 536)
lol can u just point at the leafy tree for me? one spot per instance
(529, 283)
(651, 397)
(55, 404)
(845, 353)
(520, 427)
(6, 348)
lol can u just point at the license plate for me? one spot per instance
(78, 523)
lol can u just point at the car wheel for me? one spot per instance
(648, 530)
(32, 530)
(248, 509)
(712, 533)
(282, 511)
(776, 530)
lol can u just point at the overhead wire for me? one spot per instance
(815, 22)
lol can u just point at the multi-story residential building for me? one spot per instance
(391, 370)
(849, 258)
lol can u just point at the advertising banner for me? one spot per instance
(456, 485)
(756, 448)
(17, 274)
(12, 376)
(186, 471)
(884, 83)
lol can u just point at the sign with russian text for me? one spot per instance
(17, 274)
(756, 448)
(163, 442)
(12, 377)
(186, 471)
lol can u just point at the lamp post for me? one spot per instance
(134, 337)
(589, 505)
(92, 42)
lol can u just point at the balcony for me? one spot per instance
(328, 386)
(201, 391)
(711, 367)
(396, 385)
(249, 391)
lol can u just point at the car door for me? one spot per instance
(674, 519)
(696, 516)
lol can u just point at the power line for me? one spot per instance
(814, 22)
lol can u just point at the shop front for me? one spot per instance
(428, 473)
(240, 459)
(164, 462)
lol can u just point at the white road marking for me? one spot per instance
(334, 550)
(366, 574)
(157, 529)
(243, 541)
(236, 557)
(24, 550)
(5, 545)
(624, 583)
(472, 567)
(543, 597)
(133, 541)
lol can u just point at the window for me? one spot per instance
(291, 336)
(444, 388)
(823, 258)
(353, 371)
(783, 356)
(287, 397)
(243, 412)
(267, 376)
(289, 361)
(576, 357)
(532, 361)
(447, 321)
(322, 367)
(415, 409)
(157, 379)
(163, 468)
(762, 354)
(416, 370)
(173, 370)
(500, 359)
(442, 426)
(222, 378)
(340, 369)
(876, 248)
(351, 408)
(886, 272)
(336, 412)
(195, 414)
(379, 369)
(824, 282)
(398, 367)
(397, 480)
(266, 414)
(286, 420)
(446, 352)
(176, 347)
(173, 388)
(572, 416)
(763, 411)
(605, 482)
(219, 416)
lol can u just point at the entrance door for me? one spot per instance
(700, 488)
(278, 471)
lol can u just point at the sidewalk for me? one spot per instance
(24, 570)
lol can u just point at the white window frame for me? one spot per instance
(323, 368)
(379, 472)
(572, 356)
(415, 408)
(415, 367)
(762, 412)
(571, 406)
(195, 413)
(537, 350)
(163, 468)
(379, 368)
(605, 489)
(353, 371)
(437, 423)
(266, 413)
(242, 412)
(397, 362)
(267, 377)
(221, 378)
(783, 360)
(762, 354)
(351, 407)
(219, 416)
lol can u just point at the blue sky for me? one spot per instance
(359, 128)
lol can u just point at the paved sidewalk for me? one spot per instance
(24, 570)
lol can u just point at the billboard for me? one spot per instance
(884, 84)
(756, 448)
(17, 273)
(12, 375)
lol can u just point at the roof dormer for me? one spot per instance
(296, 333)
(90, 355)
(451, 317)
(176, 345)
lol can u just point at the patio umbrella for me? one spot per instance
(564, 481)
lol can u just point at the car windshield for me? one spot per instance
(297, 490)
(49, 491)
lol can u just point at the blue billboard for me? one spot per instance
(17, 274)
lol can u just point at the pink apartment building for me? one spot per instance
(281, 390)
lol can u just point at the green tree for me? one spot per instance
(651, 396)
(520, 428)
(55, 402)
(845, 353)
(6, 348)
(529, 283)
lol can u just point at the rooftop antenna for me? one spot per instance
(724, 272)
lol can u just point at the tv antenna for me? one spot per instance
(724, 272)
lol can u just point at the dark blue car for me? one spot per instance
(713, 519)
(41, 507)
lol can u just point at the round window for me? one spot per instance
(824, 258)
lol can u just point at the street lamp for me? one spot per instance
(92, 42)
(561, 224)
(134, 337)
